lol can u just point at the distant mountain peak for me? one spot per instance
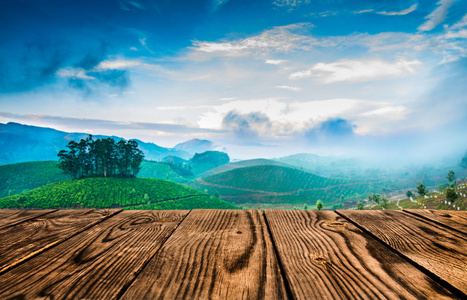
(195, 146)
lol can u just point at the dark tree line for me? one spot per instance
(101, 158)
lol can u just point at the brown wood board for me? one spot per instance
(449, 218)
(95, 264)
(425, 243)
(326, 257)
(214, 254)
(9, 217)
(29, 238)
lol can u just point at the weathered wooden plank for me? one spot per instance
(424, 243)
(30, 238)
(326, 257)
(10, 217)
(95, 264)
(214, 254)
(453, 219)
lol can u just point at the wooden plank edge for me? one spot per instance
(427, 272)
(288, 289)
(127, 285)
(27, 219)
(53, 244)
(425, 218)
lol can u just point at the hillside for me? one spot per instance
(20, 177)
(435, 200)
(280, 187)
(243, 164)
(152, 169)
(136, 193)
(16, 178)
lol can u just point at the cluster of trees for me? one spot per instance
(101, 158)
(451, 194)
(378, 200)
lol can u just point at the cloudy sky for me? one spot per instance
(262, 77)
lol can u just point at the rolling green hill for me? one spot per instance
(281, 187)
(135, 193)
(152, 169)
(16, 178)
(244, 164)
(20, 177)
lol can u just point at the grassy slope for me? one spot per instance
(243, 164)
(434, 200)
(151, 169)
(137, 193)
(20, 177)
(279, 186)
(16, 178)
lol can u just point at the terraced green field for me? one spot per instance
(134, 193)
(281, 187)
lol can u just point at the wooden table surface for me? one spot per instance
(233, 254)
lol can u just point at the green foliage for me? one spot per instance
(20, 177)
(451, 178)
(409, 194)
(442, 186)
(305, 207)
(113, 192)
(360, 205)
(376, 198)
(384, 203)
(319, 205)
(451, 194)
(202, 162)
(421, 189)
(101, 158)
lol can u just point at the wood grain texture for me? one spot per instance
(214, 254)
(421, 241)
(453, 219)
(95, 264)
(10, 217)
(30, 238)
(326, 257)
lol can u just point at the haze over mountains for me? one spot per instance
(21, 143)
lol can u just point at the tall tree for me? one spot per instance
(421, 189)
(451, 178)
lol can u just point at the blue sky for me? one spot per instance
(262, 78)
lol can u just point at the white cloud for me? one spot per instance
(437, 16)
(282, 39)
(275, 61)
(357, 70)
(300, 74)
(75, 73)
(399, 13)
(286, 87)
(461, 24)
(116, 64)
(363, 11)
(288, 117)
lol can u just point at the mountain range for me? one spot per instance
(22, 143)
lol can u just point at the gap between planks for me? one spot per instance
(426, 218)
(427, 272)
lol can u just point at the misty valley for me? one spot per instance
(46, 168)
